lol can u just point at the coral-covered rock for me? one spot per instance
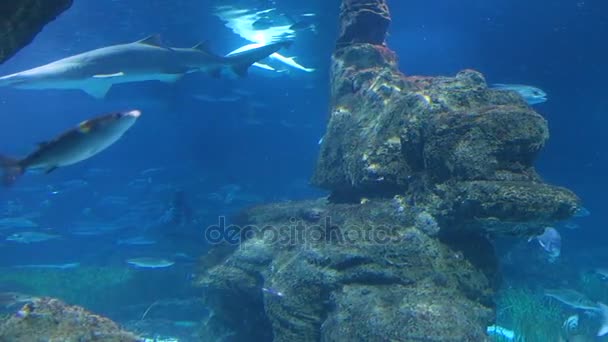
(48, 319)
(421, 171)
(363, 272)
(428, 137)
(21, 20)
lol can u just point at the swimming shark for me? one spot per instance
(147, 59)
(289, 61)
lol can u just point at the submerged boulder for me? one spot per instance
(354, 272)
(48, 319)
(22, 20)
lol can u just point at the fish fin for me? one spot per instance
(215, 72)
(50, 169)
(203, 46)
(240, 69)
(117, 74)
(604, 313)
(240, 62)
(153, 40)
(265, 66)
(11, 168)
(41, 144)
(98, 91)
(171, 78)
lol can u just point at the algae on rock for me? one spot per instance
(48, 319)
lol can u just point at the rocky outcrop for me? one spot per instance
(48, 319)
(22, 20)
(445, 142)
(421, 171)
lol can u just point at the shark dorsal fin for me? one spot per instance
(153, 40)
(202, 46)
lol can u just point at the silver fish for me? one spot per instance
(8, 299)
(136, 241)
(531, 95)
(52, 266)
(75, 145)
(578, 300)
(572, 298)
(31, 237)
(551, 241)
(149, 262)
(17, 222)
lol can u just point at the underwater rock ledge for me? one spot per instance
(22, 20)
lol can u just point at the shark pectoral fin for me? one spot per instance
(215, 73)
(240, 70)
(50, 169)
(153, 40)
(171, 78)
(203, 46)
(118, 74)
(264, 66)
(604, 315)
(98, 91)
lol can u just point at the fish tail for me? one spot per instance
(241, 62)
(604, 315)
(11, 169)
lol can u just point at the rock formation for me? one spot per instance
(48, 319)
(421, 171)
(21, 20)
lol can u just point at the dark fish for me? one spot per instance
(77, 144)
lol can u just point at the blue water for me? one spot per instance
(263, 147)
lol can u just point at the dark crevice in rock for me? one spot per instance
(22, 20)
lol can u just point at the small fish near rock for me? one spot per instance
(530, 94)
(551, 241)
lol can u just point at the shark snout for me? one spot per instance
(133, 113)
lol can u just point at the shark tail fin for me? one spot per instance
(240, 62)
(12, 170)
(604, 315)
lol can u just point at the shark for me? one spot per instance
(96, 71)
